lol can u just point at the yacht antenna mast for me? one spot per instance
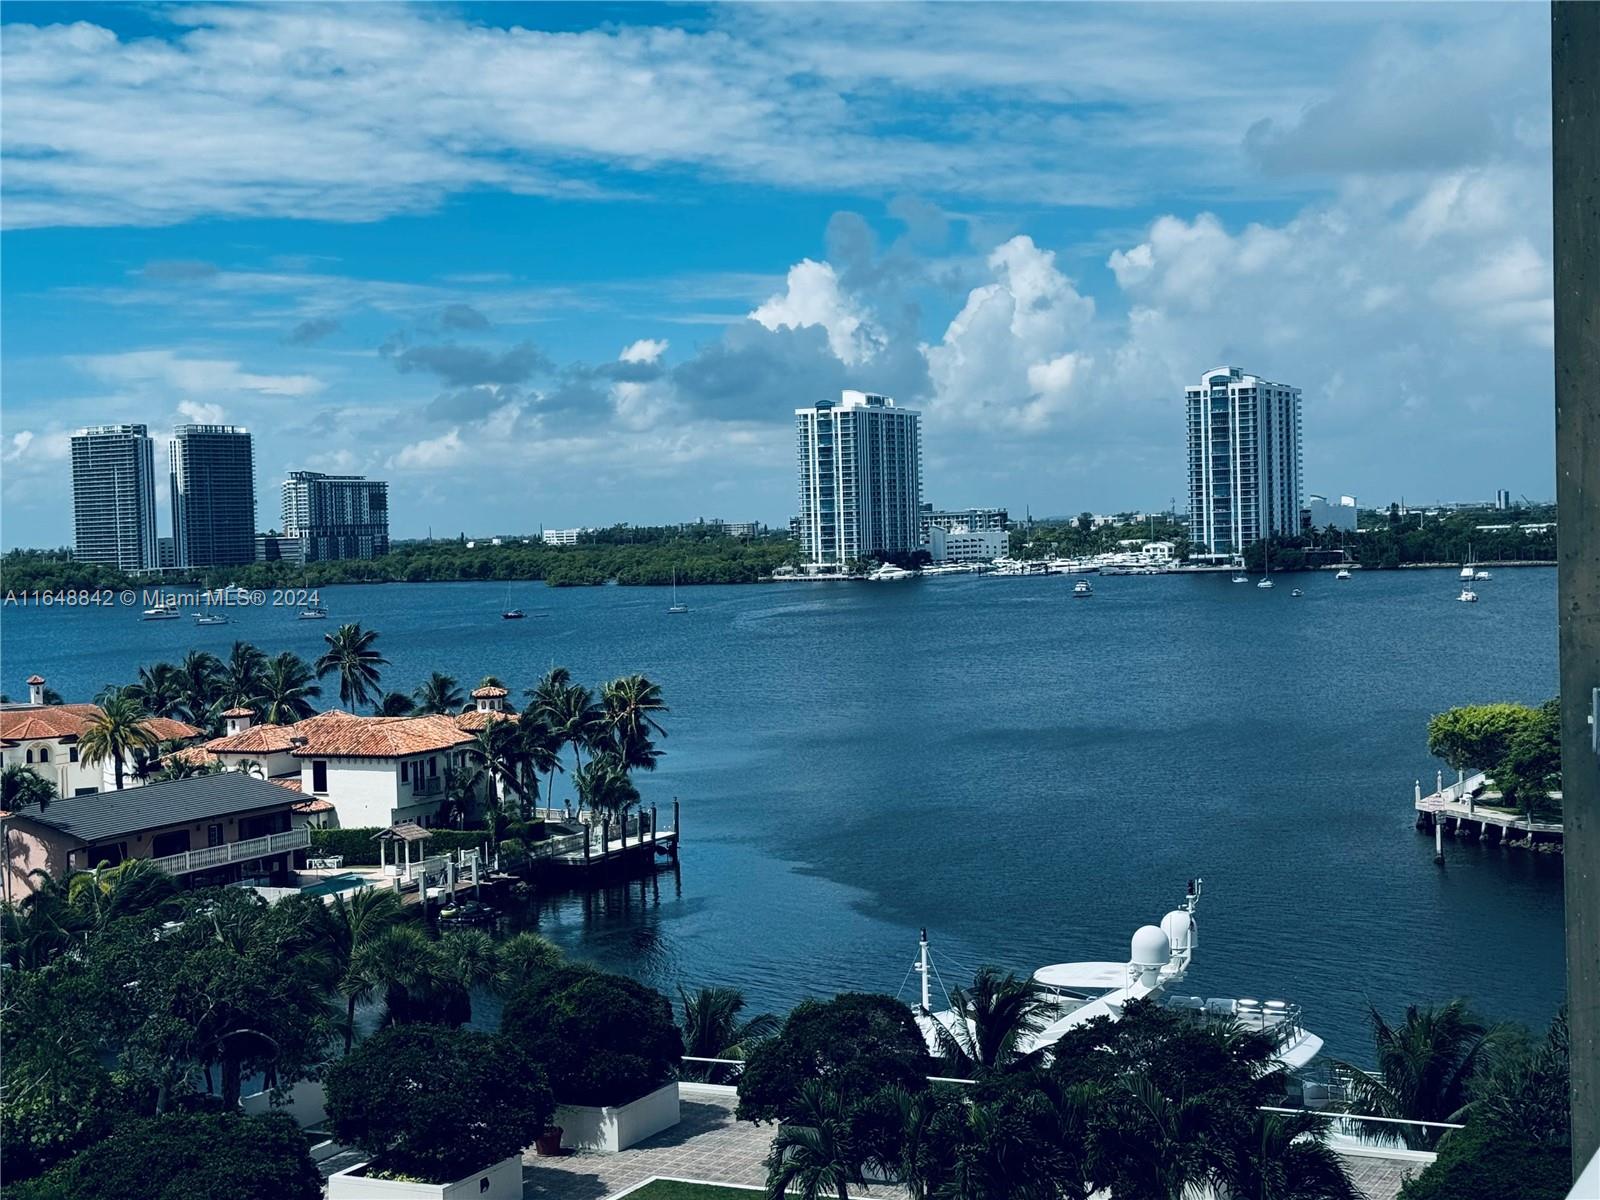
(923, 970)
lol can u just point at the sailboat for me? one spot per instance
(1238, 569)
(1266, 565)
(675, 606)
(508, 613)
(1468, 571)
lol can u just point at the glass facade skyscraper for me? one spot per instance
(213, 495)
(1244, 461)
(114, 497)
(860, 465)
(336, 516)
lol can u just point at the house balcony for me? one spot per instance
(232, 852)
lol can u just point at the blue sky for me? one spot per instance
(563, 264)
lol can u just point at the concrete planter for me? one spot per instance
(610, 1129)
(503, 1181)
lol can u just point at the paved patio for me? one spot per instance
(710, 1146)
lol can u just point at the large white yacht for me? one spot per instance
(1159, 957)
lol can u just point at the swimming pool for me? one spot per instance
(335, 884)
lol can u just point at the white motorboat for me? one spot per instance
(889, 573)
(1160, 956)
(210, 618)
(1297, 592)
(1480, 576)
(1082, 588)
(161, 612)
(1468, 596)
(1263, 583)
(1343, 573)
(314, 612)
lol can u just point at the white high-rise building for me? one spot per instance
(860, 478)
(1244, 461)
(114, 497)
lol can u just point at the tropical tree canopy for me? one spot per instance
(1477, 736)
(287, 690)
(437, 1104)
(713, 1027)
(439, 694)
(21, 788)
(994, 1018)
(352, 656)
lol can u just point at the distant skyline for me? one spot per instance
(569, 265)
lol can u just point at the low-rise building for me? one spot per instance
(1323, 511)
(962, 545)
(207, 830)
(563, 537)
(378, 771)
(967, 518)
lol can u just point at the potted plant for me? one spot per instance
(611, 1050)
(441, 1113)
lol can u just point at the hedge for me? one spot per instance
(359, 850)
(1480, 1163)
(188, 1156)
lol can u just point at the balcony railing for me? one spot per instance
(231, 852)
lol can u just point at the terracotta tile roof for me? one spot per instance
(197, 755)
(292, 782)
(315, 805)
(20, 724)
(240, 712)
(475, 720)
(258, 739)
(167, 729)
(337, 734)
(489, 692)
(33, 679)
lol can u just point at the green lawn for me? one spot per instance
(662, 1189)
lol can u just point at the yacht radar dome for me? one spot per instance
(1180, 929)
(1151, 952)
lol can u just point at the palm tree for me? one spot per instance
(351, 656)
(287, 690)
(577, 720)
(249, 766)
(994, 1016)
(631, 705)
(196, 679)
(158, 689)
(541, 754)
(494, 758)
(1167, 1151)
(604, 787)
(242, 675)
(21, 788)
(396, 704)
(354, 922)
(711, 1027)
(814, 1155)
(1425, 1069)
(439, 694)
(400, 962)
(467, 961)
(116, 733)
(1287, 1158)
(523, 957)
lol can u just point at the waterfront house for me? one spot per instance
(44, 739)
(207, 830)
(378, 771)
(488, 706)
(265, 751)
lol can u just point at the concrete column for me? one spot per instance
(1575, 152)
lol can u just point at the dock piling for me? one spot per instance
(1438, 842)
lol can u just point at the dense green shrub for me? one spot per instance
(1481, 1163)
(604, 1039)
(437, 1104)
(189, 1156)
(856, 1043)
(359, 850)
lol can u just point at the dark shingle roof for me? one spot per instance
(102, 816)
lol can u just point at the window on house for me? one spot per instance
(72, 754)
(404, 778)
(30, 755)
(433, 766)
(213, 835)
(319, 775)
(44, 753)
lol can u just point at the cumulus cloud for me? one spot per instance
(1011, 353)
(430, 454)
(645, 350)
(812, 297)
(200, 413)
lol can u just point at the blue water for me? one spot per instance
(1029, 775)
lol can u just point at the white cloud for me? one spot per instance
(1013, 352)
(199, 376)
(645, 350)
(431, 454)
(200, 413)
(812, 296)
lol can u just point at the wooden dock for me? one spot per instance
(1468, 809)
(596, 844)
